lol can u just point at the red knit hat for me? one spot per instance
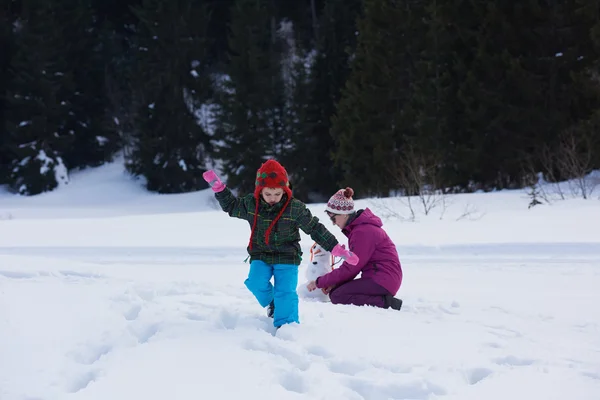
(272, 175)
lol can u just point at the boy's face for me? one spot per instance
(272, 195)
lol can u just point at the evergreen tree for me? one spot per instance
(117, 26)
(329, 71)
(588, 11)
(7, 44)
(432, 111)
(217, 31)
(38, 101)
(118, 15)
(369, 126)
(291, 100)
(94, 142)
(522, 87)
(304, 16)
(251, 96)
(170, 145)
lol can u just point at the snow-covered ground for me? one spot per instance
(108, 292)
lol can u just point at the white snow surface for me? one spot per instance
(110, 292)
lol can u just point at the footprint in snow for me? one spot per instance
(227, 320)
(90, 354)
(145, 332)
(83, 381)
(18, 275)
(199, 304)
(476, 375)
(196, 317)
(513, 361)
(593, 375)
(297, 360)
(293, 381)
(146, 294)
(351, 367)
(77, 274)
(396, 369)
(133, 312)
(319, 351)
(346, 367)
(418, 390)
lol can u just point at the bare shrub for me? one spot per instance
(553, 190)
(418, 175)
(570, 159)
(575, 160)
(392, 209)
(471, 213)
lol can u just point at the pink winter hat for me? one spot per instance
(341, 202)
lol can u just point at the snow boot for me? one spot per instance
(271, 309)
(393, 303)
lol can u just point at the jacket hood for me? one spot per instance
(363, 217)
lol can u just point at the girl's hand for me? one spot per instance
(311, 286)
(327, 289)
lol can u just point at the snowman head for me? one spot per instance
(321, 260)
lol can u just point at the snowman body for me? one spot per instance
(321, 262)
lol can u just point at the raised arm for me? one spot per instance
(234, 206)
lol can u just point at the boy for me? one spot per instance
(275, 218)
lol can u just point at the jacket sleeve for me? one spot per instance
(234, 206)
(312, 227)
(363, 244)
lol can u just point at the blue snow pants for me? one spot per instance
(284, 292)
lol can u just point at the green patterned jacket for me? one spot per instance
(284, 242)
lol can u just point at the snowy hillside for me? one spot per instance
(109, 292)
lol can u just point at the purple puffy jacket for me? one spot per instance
(378, 257)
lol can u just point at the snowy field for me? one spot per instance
(108, 292)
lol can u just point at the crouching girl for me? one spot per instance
(379, 265)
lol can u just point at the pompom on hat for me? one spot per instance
(272, 175)
(341, 202)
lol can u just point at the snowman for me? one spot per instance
(321, 262)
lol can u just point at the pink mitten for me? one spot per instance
(348, 256)
(214, 181)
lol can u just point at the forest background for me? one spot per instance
(391, 97)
